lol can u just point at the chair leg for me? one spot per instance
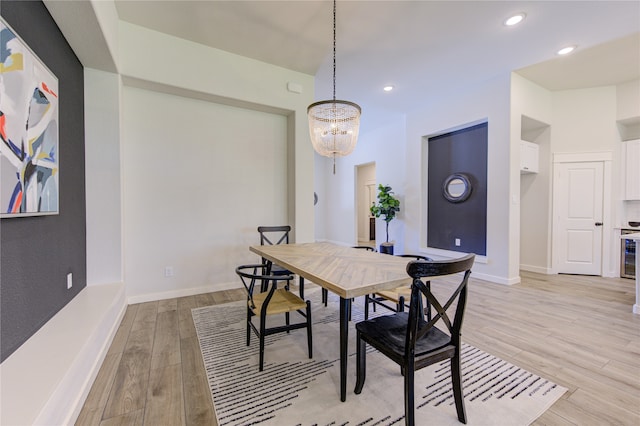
(409, 404)
(248, 326)
(262, 331)
(302, 288)
(361, 363)
(456, 382)
(325, 296)
(309, 336)
(428, 307)
(287, 320)
(366, 307)
(400, 307)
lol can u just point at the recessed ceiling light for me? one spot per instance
(387, 88)
(515, 19)
(566, 50)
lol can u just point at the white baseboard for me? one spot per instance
(495, 279)
(151, 297)
(536, 269)
(46, 381)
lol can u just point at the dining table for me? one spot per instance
(342, 270)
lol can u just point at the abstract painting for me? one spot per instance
(29, 163)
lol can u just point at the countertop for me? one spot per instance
(634, 236)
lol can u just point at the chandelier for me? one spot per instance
(334, 124)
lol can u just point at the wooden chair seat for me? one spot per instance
(398, 296)
(282, 301)
(265, 298)
(395, 294)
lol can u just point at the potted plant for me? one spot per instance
(387, 207)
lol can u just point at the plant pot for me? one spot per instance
(386, 248)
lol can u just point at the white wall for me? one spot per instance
(102, 159)
(489, 102)
(534, 207)
(628, 101)
(181, 77)
(199, 178)
(582, 121)
(169, 65)
(386, 147)
(628, 115)
(396, 148)
(193, 70)
(585, 120)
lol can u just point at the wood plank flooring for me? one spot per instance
(578, 331)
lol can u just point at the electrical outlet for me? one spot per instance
(457, 242)
(168, 271)
(69, 280)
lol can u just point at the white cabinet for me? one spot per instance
(529, 157)
(632, 169)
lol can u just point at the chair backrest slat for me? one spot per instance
(420, 270)
(274, 235)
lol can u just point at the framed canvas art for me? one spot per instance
(29, 163)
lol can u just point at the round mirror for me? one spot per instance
(456, 188)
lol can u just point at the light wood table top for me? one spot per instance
(345, 271)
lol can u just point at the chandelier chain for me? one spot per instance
(334, 50)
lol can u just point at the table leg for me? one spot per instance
(344, 344)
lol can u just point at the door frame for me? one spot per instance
(608, 251)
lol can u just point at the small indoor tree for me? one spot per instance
(387, 207)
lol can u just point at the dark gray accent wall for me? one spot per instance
(462, 151)
(37, 253)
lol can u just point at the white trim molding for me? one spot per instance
(46, 381)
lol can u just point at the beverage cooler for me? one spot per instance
(628, 255)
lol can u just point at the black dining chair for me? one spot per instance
(274, 235)
(412, 341)
(272, 301)
(397, 296)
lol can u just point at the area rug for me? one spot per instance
(296, 390)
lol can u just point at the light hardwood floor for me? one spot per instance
(578, 331)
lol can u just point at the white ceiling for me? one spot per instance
(424, 48)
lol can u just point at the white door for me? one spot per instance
(578, 210)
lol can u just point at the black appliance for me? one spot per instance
(628, 255)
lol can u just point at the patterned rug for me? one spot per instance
(296, 390)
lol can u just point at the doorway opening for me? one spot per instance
(365, 196)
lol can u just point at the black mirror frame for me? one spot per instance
(467, 188)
